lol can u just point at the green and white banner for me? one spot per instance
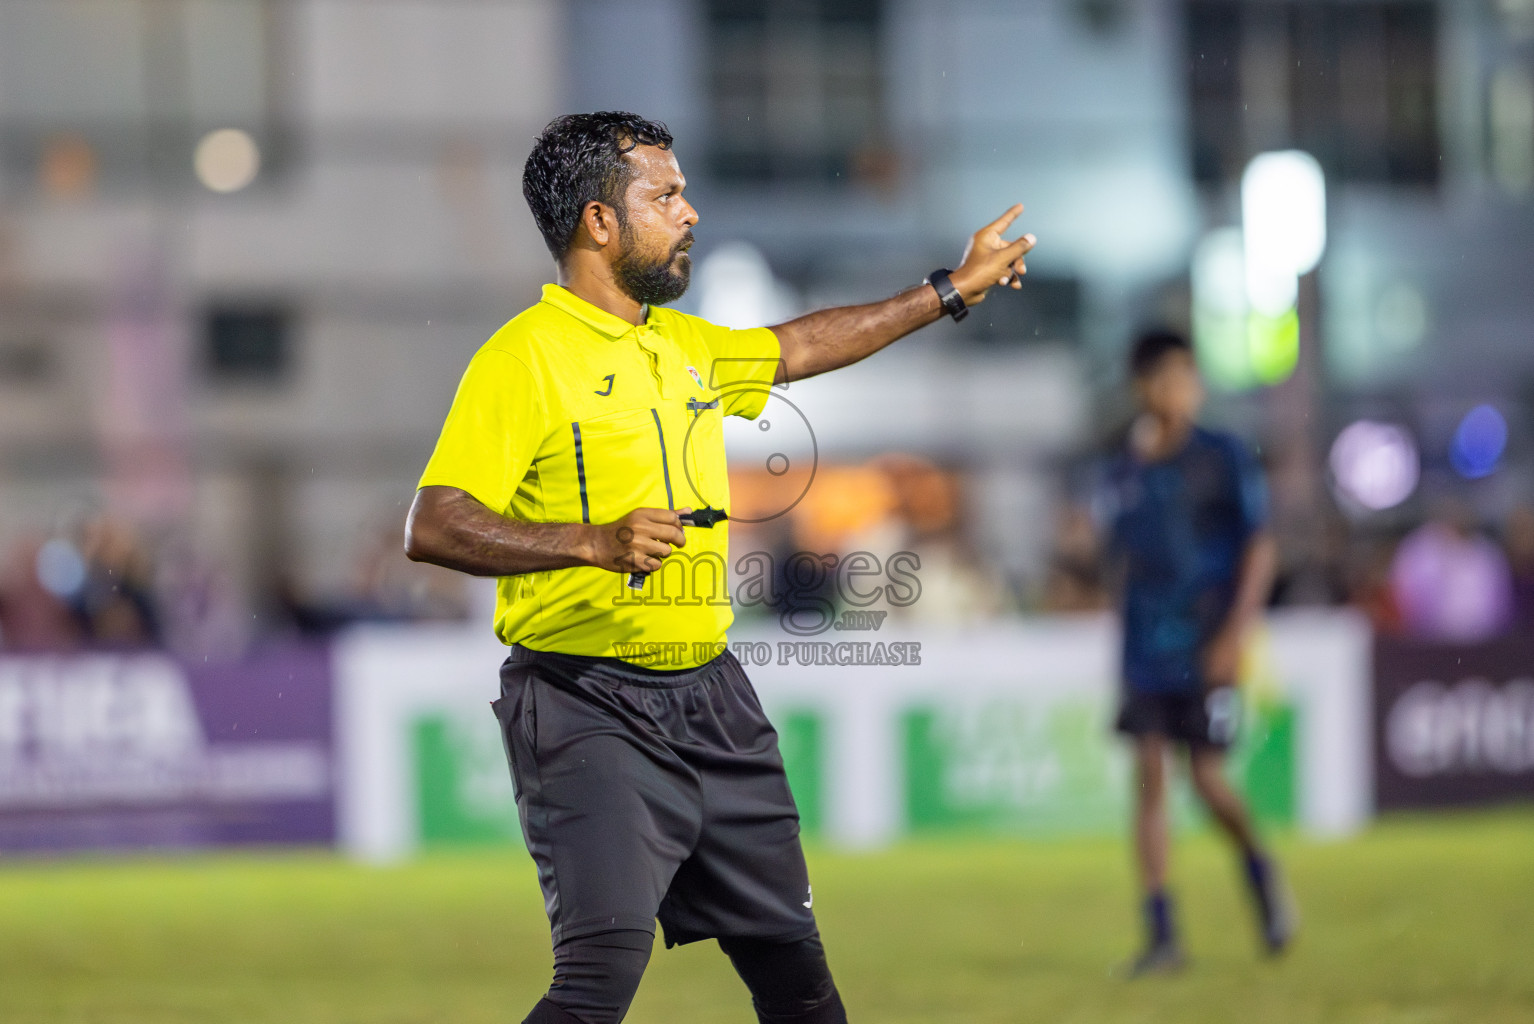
(1003, 731)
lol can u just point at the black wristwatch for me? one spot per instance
(948, 295)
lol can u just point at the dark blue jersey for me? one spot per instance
(1180, 528)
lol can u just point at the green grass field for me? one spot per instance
(1420, 920)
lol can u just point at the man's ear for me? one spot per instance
(600, 222)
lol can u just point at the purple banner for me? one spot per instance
(1453, 726)
(141, 750)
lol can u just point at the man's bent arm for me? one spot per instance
(450, 527)
(1254, 582)
(832, 338)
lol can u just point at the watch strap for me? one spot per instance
(947, 294)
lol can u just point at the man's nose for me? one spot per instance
(689, 214)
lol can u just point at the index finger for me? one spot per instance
(1003, 222)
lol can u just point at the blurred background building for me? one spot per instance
(247, 247)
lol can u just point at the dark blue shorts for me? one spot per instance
(1204, 720)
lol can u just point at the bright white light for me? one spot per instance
(1271, 290)
(1283, 220)
(1219, 272)
(1375, 465)
(737, 289)
(227, 160)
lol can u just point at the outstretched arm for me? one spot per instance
(451, 528)
(832, 338)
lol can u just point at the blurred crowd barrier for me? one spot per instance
(379, 740)
(885, 734)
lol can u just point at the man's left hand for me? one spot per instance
(1222, 658)
(990, 260)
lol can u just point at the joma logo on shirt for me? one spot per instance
(609, 379)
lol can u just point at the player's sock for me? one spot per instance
(1274, 911)
(1162, 954)
(1257, 872)
(1160, 927)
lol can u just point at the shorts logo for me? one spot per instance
(809, 891)
(696, 376)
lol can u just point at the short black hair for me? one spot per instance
(579, 159)
(1151, 347)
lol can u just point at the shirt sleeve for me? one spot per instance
(493, 430)
(1251, 491)
(742, 366)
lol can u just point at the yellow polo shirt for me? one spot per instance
(569, 414)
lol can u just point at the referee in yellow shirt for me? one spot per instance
(583, 448)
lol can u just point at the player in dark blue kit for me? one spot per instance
(1197, 561)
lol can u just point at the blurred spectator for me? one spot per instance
(385, 587)
(32, 617)
(956, 586)
(89, 586)
(1075, 580)
(394, 587)
(1369, 586)
(116, 603)
(1518, 536)
(1451, 583)
(203, 613)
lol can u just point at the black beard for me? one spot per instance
(656, 282)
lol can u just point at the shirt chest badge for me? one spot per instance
(696, 376)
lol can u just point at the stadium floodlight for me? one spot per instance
(1283, 221)
(1374, 465)
(227, 160)
(1479, 442)
(1220, 310)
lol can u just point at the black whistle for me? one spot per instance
(704, 517)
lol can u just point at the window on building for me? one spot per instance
(1354, 84)
(117, 93)
(796, 88)
(247, 343)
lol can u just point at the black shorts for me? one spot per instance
(646, 795)
(1199, 720)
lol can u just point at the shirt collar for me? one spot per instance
(599, 320)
